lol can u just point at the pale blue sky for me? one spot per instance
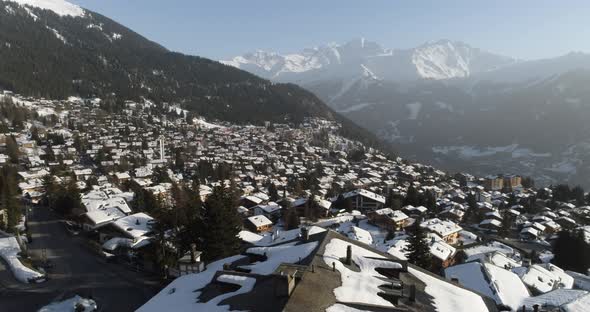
(220, 29)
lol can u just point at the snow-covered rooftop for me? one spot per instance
(362, 286)
(448, 297)
(259, 221)
(135, 225)
(441, 227)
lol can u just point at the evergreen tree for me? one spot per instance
(12, 150)
(273, 193)
(348, 206)
(507, 221)
(418, 248)
(291, 218)
(562, 193)
(222, 223)
(35, 135)
(9, 200)
(577, 194)
(411, 197)
(179, 159)
(429, 201)
(572, 252)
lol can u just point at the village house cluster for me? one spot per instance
(478, 229)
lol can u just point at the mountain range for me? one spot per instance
(443, 59)
(452, 105)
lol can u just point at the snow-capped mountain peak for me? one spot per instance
(442, 59)
(59, 7)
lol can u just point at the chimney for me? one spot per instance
(305, 234)
(193, 253)
(348, 255)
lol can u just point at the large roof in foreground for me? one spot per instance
(257, 280)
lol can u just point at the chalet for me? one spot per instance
(129, 232)
(272, 211)
(364, 201)
(259, 223)
(414, 211)
(391, 220)
(490, 224)
(447, 230)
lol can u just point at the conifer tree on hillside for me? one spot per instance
(222, 223)
(9, 200)
(572, 252)
(291, 218)
(418, 249)
(12, 150)
(411, 197)
(273, 193)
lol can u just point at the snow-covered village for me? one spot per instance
(163, 208)
(269, 156)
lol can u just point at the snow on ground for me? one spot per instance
(9, 250)
(363, 286)
(448, 297)
(565, 167)
(59, 7)
(57, 34)
(468, 152)
(354, 108)
(414, 109)
(183, 292)
(286, 253)
(70, 305)
(207, 125)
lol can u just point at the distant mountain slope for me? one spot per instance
(55, 49)
(454, 106)
(443, 59)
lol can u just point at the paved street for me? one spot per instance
(76, 271)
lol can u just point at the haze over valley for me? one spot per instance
(452, 105)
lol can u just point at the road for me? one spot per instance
(77, 270)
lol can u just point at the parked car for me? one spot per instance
(71, 228)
